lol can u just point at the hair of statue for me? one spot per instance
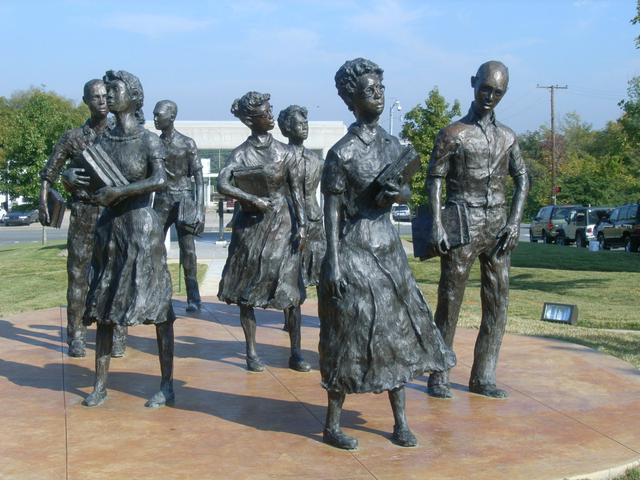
(134, 88)
(169, 105)
(86, 91)
(286, 117)
(248, 105)
(492, 64)
(347, 76)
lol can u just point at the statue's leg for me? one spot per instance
(454, 272)
(494, 293)
(333, 434)
(119, 341)
(293, 318)
(165, 338)
(285, 325)
(80, 244)
(402, 435)
(189, 262)
(104, 340)
(248, 322)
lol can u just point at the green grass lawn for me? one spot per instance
(35, 277)
(604, 286)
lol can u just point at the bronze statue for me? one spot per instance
(177, 199)
(473, 156)
(84, 213)
(263, 264)
(376, 329)
(130, 282)
(294, 125)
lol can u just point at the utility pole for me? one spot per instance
(552, 89)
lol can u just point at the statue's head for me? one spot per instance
(124, 91)
(293, 123)
(164, 114)
(254, 110)
(94, 95)
(359, 84)
(489, 85)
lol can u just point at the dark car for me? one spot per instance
(21, 217)
(621, 228)
(401, 213)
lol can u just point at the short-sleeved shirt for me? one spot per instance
(182, 161)
(475, 155)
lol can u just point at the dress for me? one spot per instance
(262, 267)
(381, 333)
(130, 281)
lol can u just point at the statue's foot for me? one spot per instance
(77, 348)
(193, 306)
(117, 351)
(95, 398)
(439, 390)
(403, 437)
(298, 364)
(285, 327)
(161, 398)
(254, 364)
(338, 439)
(488, 390)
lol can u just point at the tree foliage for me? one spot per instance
(31, 122)
(422, 124)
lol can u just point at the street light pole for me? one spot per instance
(398, 107)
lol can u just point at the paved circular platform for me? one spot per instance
(572, 411)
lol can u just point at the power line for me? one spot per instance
(552, 89)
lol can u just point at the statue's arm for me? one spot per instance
(49, 175)
(443, 149)
(518, 171)
(226, 187)
(196, 171)
(295, 178)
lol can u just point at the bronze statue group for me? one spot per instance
(377, 331)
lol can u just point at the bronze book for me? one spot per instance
(251, 180)
(402, 170)
(101, 168)
(55, 207)
(455, 221)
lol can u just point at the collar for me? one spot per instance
(364, 133)
(257, 142)
(483, 122)
(87, 129)
(168, 138)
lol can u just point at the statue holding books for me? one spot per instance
(130, 282)
(263, 264)
(376, 329)
(176, 204)
(474, 156)
(294, 125)
(84, 212)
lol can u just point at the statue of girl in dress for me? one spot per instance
(376, 329)
(263, 264)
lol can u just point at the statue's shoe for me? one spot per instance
(77, 348)
(403, 437)
(339, 440)
(488, 390)
(254, 364)
(439, 390)
(95, 398)
(160, 399)
(193, 306)
(298, 364)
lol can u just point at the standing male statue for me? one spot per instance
(181, 163)
(84, 213)
(474, 155)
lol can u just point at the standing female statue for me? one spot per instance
(294, 125)
(376, 329)
(263, 265)
(130, 281)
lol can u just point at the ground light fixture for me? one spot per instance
(559, 313)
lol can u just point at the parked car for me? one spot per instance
(621, 228)
(401, 213)
(3, 213)
(548, 222)
(18, 216)
(579, 224)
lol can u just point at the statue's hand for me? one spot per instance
(73, 180)
(43, 214)
(389, 194)
(263, 204)
(439, 238)
(300, 239)
(200, 220)
(334, 282)
(507, 238)
(107, 196)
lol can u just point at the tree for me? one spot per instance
(636, 20)
(31, 122)
(421, 126)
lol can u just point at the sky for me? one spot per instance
(204, 54)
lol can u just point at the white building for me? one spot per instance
(216, 140)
